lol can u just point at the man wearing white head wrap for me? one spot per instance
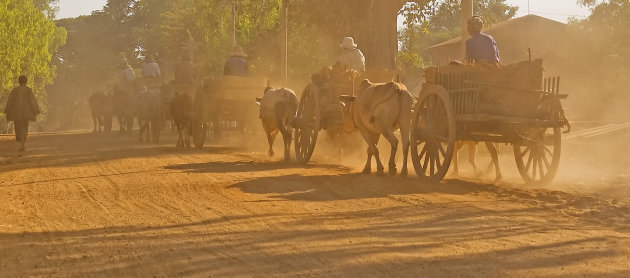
(351, 56)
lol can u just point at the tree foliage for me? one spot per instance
(442, 22)
(600, 45)
(28, 41)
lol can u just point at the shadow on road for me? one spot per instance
(392, 241)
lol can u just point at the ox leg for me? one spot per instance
(156, 128)
(379, 165)
(391, 138)
(95, 122)
(494, 153)
(368, 139)
(121, 125)
(372, 150)
(455, 172)
(180, 136)
(286, 136)
(271, 137)
(404, 135)
(187, 133)
(129, 125)
(140, 129)
(472, 155)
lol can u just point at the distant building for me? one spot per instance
(546, 38)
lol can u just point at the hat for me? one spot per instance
(238, 51)
(476, 23)
(348, 42)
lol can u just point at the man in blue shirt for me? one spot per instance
(480, 47)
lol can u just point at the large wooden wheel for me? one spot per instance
(537, 155)
(432, 133)
(307, 124)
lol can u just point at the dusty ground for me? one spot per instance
(84, 205)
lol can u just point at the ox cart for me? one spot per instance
(320, 106)
(227, 105)
(511, 104)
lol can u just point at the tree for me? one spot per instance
(600, 69)
(29, 39)
(443, 23)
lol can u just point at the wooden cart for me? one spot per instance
(320, 106)
(511, 104)
(228, 104)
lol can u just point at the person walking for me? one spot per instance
(21, 108)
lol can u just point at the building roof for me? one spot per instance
(528, 19)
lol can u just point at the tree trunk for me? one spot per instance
(377, 33)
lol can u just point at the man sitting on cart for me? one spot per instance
(236, 65)
(351, 56)
(150, 68)
(481, 46)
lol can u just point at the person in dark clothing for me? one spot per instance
(21, 108)
(481, 46)
(236, 65)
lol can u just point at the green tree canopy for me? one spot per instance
(28, 41)
(442, 23)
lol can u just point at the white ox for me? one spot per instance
(382, 108)
(277, 111)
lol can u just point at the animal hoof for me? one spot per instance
(498, 178)
(380, 172)
(403, 172)
(393, 171)
(366, 171)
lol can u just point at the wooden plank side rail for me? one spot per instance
(464, 94)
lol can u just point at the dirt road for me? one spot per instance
(84, 205)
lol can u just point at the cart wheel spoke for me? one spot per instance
(547, 164)
(441, 148)
(529, 161)
(424, 151)
(541, 165)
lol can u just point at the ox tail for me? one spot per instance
(394, 89)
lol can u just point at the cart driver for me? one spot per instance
(236, 65)
(351, 56)
(481, 46)
(127, 76)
